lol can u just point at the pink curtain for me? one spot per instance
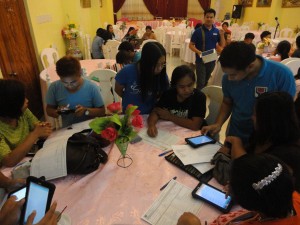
(151, 6)
(205, 4)
(117, 4)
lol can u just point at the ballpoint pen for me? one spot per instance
(59, 215)
(163, 187)
(164, 153)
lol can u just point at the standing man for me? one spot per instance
(203, 39)
(246, 77)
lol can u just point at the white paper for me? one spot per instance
(189, 155)
(164, 139)
(172, 202)
(50, 161)
(203, 167)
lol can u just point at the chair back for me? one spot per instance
(105, 79)
(146, 41)
(286, 33)
(110, 49)
(294, 65)
(49, 56)
(285, 61)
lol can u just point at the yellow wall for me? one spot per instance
(61, 12)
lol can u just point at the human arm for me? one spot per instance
(11, 211)
(237, 147)
(119, 89)
(222, 39)
(52, 111)
(152, 120)
(188, 218)
(192, 46)
(224, 113)
(92, 112)
(10, 184)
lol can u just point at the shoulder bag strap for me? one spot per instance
(203, 40)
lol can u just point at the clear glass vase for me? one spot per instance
(73, 49)
(124, 160)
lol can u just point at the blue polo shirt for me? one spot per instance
(212, 37)
(273, 76)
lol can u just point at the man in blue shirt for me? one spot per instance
(246, 77)
(211, 36)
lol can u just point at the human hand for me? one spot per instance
(188, 218)
(13, 184)
(221, 31)
(80, 110)
(212, 129)
(225, 150)
(152, 131)
(11, 211)
(42, 130)
(50, 217)
(163, 113)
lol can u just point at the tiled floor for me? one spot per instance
(174, 61)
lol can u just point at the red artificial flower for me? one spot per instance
(109, 133)
(137, 121)
(114, 107)
(128, 106)
(136, 112)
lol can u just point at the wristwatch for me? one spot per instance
(87, 112)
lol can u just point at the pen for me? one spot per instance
(163, 187)
(164, 153)
(59, 215)
(205, 222)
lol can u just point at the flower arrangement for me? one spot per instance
(296, 29)
(260, 24)
(123, 26)
(70, 31)
(265, 43)
(118, 128)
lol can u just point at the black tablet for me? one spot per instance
(213, 196)
(199, 141)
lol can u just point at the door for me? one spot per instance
(17, 56)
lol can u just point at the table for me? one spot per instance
(49, 75)
(168, 39)
(114, 195)
(187, 54)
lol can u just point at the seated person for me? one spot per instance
(149, 34)
(264, 185)
(225, 26)
(123, 58)
(127, 46)
(19, 128)
(110, 29)
(182, 103)
(283, 50)
(130, 35)
(265, 37)
(100, 39)
(296, 53)
(249, 37)
(73, 91)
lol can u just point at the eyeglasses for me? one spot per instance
(70, 84)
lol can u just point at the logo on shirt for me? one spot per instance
(260, 90)
(215, 34)
(135, 89)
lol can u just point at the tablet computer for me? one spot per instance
(199, 141)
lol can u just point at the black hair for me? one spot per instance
(225, 23)
(130, 29)
(283, 49)
(151, 52)
(249, 36)
(298, 42)
(107, 29)
(68, 66)
(297, 102)
(275, 111)
(210, 11)
(275, 198)
(148, 27)
(237, 55)
(264, 34)
(126, 46)
(123, 57)
(180, 72)
(12, 98)
(104, 34)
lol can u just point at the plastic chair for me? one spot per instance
(49, 56)
(286, 33)
(176, 41)
(146, 41)
(294, 65)
(110, 49)
(285, 61)
(106, 81)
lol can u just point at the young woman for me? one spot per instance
(142, 83)
(182, 103)
(100, 39)
(283, 50)
(19, 128)
(80, 95)
(149, 34)
(264, 185)
(110, 29)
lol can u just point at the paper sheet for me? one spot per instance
(189, 155)
(203, 167)
(50, 161)
(172, 202)
(164, 139)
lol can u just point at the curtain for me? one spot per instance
(151, 6)
(205, 4)
(177, 8)
(117, 4)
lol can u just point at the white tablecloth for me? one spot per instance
(187, 55)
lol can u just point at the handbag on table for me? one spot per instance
(221, 170)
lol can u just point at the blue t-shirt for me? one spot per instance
(88, 96)
(128, 77)
(96, 48)
(212, 37)
(137, 57)
(273, 76)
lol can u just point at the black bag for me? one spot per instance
(221, 170)
(84, 154)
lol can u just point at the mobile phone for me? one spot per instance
(39, 195)
(20, 193)
(136, 139)
(199, 140)
(213, 196)
(65, 111)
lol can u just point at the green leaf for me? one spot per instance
(116, 119)
(130, 110)
(99, 124)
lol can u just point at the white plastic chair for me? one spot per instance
(176, 41)
(294, 65)
(106, 81)
(286, 33)
(285, 61)
(110, 49)
(49, 56)
(146, 41)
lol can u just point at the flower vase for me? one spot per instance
(124, 160)
(73, 49)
